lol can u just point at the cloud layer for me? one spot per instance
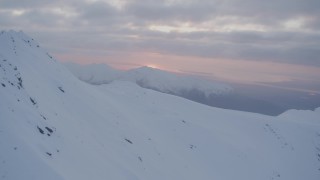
(286, 31)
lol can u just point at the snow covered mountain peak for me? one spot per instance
(12, 33)
(148, 70)
(17, 40)
(173, 83)
(56, 127)
(151, 78)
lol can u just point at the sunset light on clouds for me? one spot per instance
(233, 40)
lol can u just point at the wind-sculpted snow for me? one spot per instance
(53, 126)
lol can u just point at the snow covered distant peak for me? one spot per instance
(173, 83)
(147, 77)
(148, 70)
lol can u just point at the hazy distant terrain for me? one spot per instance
(264, 99)
(270, 100)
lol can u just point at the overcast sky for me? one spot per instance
(246, 40)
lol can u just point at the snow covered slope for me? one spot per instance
(53, 126)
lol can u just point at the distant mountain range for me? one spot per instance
(147, 77)
(190, 87)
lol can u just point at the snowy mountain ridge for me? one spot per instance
(193, 88)
(54, 126)
(147, 77)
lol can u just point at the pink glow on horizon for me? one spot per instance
(223, 69)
